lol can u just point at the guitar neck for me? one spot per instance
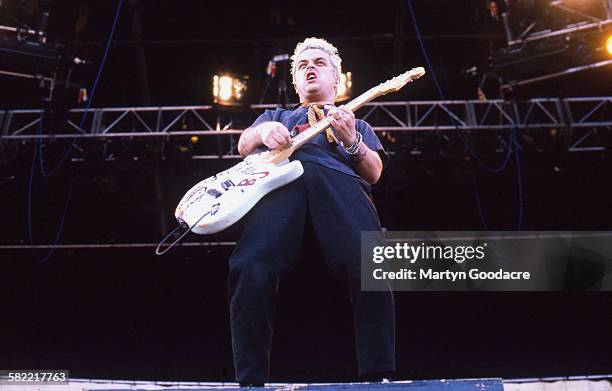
(279, 155)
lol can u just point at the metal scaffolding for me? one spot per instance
(576, 119)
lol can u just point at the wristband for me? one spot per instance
(353, 149)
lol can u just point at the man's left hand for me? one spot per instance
(343, 121)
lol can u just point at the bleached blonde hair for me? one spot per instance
(321, 44)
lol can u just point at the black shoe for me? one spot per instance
(376, 377)
(249, 385)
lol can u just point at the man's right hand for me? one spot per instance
(273, 134)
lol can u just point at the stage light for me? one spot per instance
(344, 89)
(609, 45)
(229, 90)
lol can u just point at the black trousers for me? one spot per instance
(340, 209)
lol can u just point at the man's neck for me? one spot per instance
(317, 102)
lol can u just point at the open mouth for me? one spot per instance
(311, 76)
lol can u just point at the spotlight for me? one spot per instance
(609, 45)
(344, 89)
(229, 90)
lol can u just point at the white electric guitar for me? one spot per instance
(221, 200)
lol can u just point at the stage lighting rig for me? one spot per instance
(344, 89)
(25, 54)
(561, 38)
(229, 90)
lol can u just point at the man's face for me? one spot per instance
(315, 78)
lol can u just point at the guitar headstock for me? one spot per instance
(398, 82)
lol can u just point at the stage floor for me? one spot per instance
(601, 383)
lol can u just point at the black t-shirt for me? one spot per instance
(319, 150)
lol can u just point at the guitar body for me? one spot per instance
(221, 200)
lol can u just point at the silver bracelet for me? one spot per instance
(353, 149)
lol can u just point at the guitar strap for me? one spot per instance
(315, 114)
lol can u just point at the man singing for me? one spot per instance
(339, 166)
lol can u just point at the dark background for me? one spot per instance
(126, 313)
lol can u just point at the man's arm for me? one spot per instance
(271, 134)
(366, 162)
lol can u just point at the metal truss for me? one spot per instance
(578, 119)
(587, 117)
(580, 27)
